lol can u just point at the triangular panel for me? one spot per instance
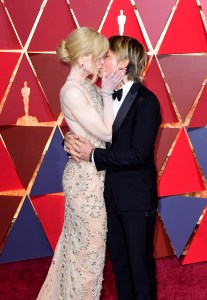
(27, 237)
(198, 139)
(186, 211)
(9, 179)
(181, 174)
(131, 26)
(50, 211)
(186, 32)
(25, 145)
(153, 20)
(95, 12)
(8, 38)
(49, 178)
(8, 207)
(26, 104)
(162, 247)
(199, 118)
(8, 62)
(46, 65)
(197, 251)
(179, 72)
(54, 25)
(164, 141)
(24, 19)
(155, 82)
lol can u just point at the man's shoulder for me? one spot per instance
(147, 94)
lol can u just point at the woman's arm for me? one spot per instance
(75, 102)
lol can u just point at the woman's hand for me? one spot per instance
(111, 81)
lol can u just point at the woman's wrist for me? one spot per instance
(106, 93)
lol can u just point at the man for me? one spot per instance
(131, 180)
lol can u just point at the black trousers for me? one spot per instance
(130, 245)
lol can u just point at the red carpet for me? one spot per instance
(22, 280)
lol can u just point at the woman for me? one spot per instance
(76, 271)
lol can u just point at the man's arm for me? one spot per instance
(146, 124)
(144, 133)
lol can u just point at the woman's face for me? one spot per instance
(88, 63)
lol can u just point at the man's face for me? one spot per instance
(109, 64)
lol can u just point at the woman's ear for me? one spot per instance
(80, 60)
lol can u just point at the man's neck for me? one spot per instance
(125, 80)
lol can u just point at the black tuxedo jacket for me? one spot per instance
(131, 177)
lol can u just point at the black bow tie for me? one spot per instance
(117, 94)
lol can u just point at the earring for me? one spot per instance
(81, 69)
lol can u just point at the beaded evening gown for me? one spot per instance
(76, 271)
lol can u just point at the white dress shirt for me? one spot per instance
(117, 104)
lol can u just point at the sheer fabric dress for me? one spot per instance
(76, 271)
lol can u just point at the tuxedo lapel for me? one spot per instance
(126, 105)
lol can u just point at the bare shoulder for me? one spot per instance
(70, 92)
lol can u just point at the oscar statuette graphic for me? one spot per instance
(121, 19)
(26, 119)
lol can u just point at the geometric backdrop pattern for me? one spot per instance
(32, 158)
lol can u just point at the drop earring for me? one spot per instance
(81, 69)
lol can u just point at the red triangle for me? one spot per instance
(164, 141)
(8, 207)
(153, 20)
(162, 247)
(64, 129)
(27, 13)
(181, 174)
(54, 25)
(50, 210)
(46, 65)
(197, 251)
(155, 82)
(179, 71)
(25, 145)
(9, 179)
(186, 32)
(13, 109)
(95, 12)
(8, 38)
(199, 118)
(131, 27)
(8, 62)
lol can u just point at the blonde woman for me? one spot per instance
(76, 271)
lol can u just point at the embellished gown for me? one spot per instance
(76, 271)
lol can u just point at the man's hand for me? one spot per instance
(78, 147)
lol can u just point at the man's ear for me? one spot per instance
(123, 63)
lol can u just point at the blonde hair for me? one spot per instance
(83, 41)
(125, 47)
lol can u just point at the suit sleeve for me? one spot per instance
(144, 129)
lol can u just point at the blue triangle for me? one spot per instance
(49, 177)
(198, 137)
(27, 239)
(180, 216)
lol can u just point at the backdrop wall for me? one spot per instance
(32, 159)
